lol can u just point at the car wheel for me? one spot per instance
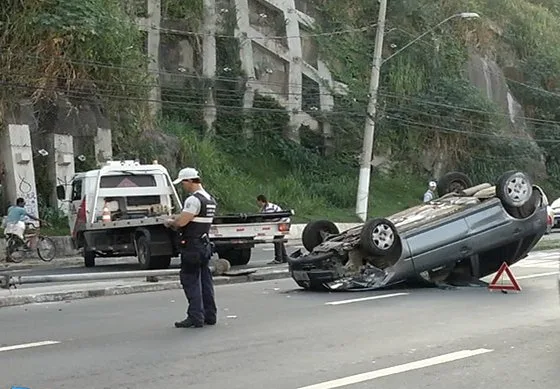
(379, 237)
(514, 189)
(315, 233)
(526, 209)
(453, 182)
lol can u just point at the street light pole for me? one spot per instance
(367, 151)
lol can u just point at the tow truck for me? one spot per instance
(119, 210)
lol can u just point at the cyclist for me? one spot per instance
(15, 223)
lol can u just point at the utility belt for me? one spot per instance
(185, 241)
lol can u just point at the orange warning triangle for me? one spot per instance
(494, 284)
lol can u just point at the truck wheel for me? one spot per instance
(89, 258)
(143, 252)
(453, 182)
(161, 262)
(379, 237)
(315, 232)
(514, 189)
(238, 257)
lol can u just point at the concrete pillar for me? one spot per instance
(295, 66)
(61, 169)
(17, 154)
(151, 25)
(246, 56)
(327, 104)
(103, 146)
(209, 62)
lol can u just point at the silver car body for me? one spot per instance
(463, 233)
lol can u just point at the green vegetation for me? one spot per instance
(428, 111)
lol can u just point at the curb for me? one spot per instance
(48, 297)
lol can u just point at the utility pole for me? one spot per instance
(367, 152)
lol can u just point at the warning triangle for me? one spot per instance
(126, 183)
(514, 284)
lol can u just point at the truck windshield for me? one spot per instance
(128, 181)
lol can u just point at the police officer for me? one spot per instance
(193, 225)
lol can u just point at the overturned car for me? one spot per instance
(460, 237)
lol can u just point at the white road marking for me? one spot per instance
(354, 379)
(28, 345)
(383, 296)
(537, 275)
(544, 264)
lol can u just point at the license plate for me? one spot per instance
(300, 275)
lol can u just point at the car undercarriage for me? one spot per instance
(464, 235)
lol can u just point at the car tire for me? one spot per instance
(514, 189)
(453, 182)
(379, 237)
(526, 209)
(89, 258)
(313, 233)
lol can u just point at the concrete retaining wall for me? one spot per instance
(64, 243)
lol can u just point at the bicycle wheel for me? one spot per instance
(46, 248)
(12, 253)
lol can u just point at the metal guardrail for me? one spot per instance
(7, 280)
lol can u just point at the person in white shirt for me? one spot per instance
(431, 192)
(280, 255)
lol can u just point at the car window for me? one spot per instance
(128, 181)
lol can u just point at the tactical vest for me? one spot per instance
(201, 223)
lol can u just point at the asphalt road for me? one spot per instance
(273, 335)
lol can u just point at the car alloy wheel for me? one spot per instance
(518, 189)
(383, 236)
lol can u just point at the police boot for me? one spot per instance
(187, 323)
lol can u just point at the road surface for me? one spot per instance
(273, 335)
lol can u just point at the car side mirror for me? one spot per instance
(60, 192)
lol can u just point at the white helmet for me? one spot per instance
(432, 184)
(187, 173)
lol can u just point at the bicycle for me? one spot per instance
(46, 249)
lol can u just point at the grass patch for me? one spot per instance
(317, 187)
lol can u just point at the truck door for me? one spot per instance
(75, 202)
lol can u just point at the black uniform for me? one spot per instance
(195, 275)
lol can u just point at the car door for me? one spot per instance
(439, 243)
(76, 197)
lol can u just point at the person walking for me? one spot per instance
(280, 255)
(431, 192)
(193, 225)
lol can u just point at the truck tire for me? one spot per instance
(453, 182)
(143, 252)
(161, 262)
(313, 233)
(238, 257)
(89, 258)
(379, 237)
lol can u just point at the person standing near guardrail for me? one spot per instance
(431, 192)
(280, 255)
(193, 225)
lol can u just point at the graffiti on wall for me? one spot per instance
(26, 189)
